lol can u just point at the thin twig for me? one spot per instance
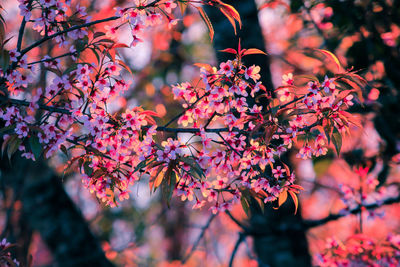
(53, 58)
(22, 29)
(314, 223)
(293, 101)
(205, 227)
(77, 27)
(183, 112)
(238, 242)
(19, 102)
(41, 106)
(241, 225)
(229, 145)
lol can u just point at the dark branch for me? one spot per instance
(238, 242)
(241, 225)
(203, 230)
(22, 29)
(53, 58)
(314, 223)
(25, 103)
(77, 27)
(41, 106)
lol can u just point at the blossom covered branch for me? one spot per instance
(232, 150)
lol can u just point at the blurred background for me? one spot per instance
(56, 222)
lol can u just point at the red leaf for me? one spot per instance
(207, 67)
(229, 50)
(232, 13)
(332, 57)
(231, 20)
(149, 113)
(274, 4)
(120, 45)
(282, 198)
(296, 187)
(253, 51)
(122, 64)
(182, 7)
(207, 21)
(295, 201)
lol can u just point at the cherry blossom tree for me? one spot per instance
(238, 127)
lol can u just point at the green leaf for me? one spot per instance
(168, 184)
(169, 187)
(36, 147)
(245, 205)
(88, 170)
(5, 129)
(5, 60)
(328, 130)
(64, 150)
(337, 140)
(105, 41)
(98, 34)
(70, 69)
(96, 54)
(142, 164)
(194, 165)
(13, 146)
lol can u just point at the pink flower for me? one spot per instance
(22, 130)
(226, 68)
(305, 152)
(252, 73)
(278, 172)
(348, 100)
(328, 85)
(14, 54)
(172, 23)
(287, 79)
(124, 195)
(169, 5)
(199, 204)
(313, 87)
(135, 41)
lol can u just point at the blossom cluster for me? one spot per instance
(360, 250)
(120, 147)
(51, 16)
(5, 256)
(245, 154)
(366, 193)
(233, 143)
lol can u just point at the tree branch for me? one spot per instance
(53, 58)
(25, 103)
(203, 230)
(241, 225)
(238, 242)
(41, 106)
(77, 27)
(331, 217)
(22, 29)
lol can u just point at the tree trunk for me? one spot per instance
(48, 209)
(279, 238)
